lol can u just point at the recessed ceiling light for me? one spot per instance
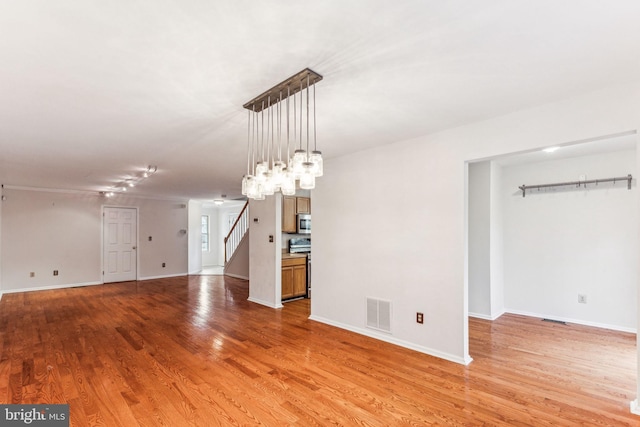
(550, 149)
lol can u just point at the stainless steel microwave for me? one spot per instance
(304, 223)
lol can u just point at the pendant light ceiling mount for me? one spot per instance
(295, 83)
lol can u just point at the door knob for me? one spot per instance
(134, 248)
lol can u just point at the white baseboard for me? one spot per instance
(576, 321)
(236, 276)
(266, 303)
(51, 287)
(486, 316)
(633, 406)
(390, 339)
(167, 276)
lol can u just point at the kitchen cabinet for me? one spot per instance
(288, 214)
(294, 277)
(303, 205)
(291, 206)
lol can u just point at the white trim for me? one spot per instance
(633, 406)
(564, 144)
(266, 303)
(402, 343)
(486, 316)
(97, 193)
(51, 287)
(165, 276)
(236, 276)
(576, 321)
(51, 190)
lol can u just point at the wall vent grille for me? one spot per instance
(379, 314)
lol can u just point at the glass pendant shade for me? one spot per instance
(277, 174)
(299, 157)
(288, 186)
(259, 193)
(316, 159)
(307, 179)
(267, 186)
(246, 183)
(252, 187)
(261, 168)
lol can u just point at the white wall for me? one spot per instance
(496, 238)
(479, 239)
(167, 222)
(418, 261)
(44, 231)
(486, 287)
(195, 252)
(265, 256)
(562, 243)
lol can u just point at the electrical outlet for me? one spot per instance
(582, 298)
(164, 264)
(55, 272)
(420, 318)
(32, 274)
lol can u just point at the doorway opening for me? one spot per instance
(567, 253)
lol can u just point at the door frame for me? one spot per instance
(137, 239)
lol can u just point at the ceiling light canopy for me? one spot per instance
(273, 117)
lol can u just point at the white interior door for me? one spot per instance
(120, 237)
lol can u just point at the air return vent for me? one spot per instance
(379, 314)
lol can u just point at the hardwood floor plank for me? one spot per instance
(193, 351)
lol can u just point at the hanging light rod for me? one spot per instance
(289, 87)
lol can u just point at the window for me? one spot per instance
(205, 233)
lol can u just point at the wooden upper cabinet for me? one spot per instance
(303, 205)
(289, 214)
(291, 206)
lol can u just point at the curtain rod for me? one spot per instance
(627, 178)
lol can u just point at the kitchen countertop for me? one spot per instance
(286, 255)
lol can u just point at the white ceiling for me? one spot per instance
(92, 91)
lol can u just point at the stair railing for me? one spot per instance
(237, 232)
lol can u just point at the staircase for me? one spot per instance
(236, 234)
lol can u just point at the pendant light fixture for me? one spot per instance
(272, 171)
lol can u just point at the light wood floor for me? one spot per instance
(193, 351)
